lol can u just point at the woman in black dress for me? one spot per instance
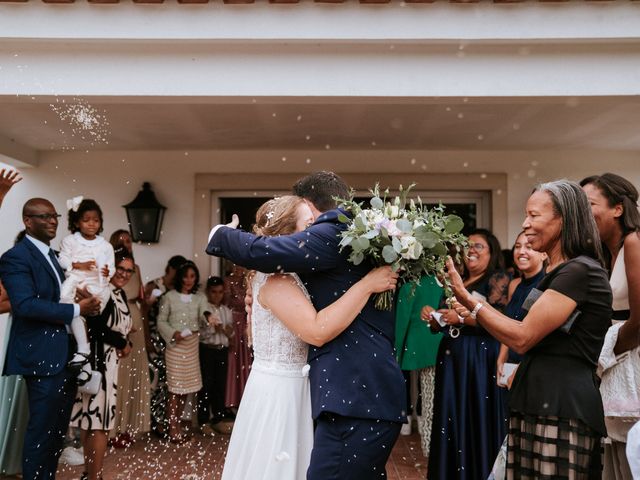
(556, 418)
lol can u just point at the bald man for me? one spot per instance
(39, 343)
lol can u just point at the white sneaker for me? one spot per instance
(72, 456)
(406, 427)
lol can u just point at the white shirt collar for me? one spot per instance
(40, 245)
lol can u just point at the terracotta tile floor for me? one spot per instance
(202, 459)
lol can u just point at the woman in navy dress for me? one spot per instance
(531, 265)
(469, 423)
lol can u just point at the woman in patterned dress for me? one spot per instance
(95, 414)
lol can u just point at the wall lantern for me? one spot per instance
(145, 215)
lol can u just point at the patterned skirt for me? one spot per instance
(98, 412)
(183, 366)
(552, 447)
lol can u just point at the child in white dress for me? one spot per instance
(88, 261)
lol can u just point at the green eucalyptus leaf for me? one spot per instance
(397, 246)
(453, 224)
(356, 258)
(342, 218)
(404, 225)
(389, 254)
(427, 238)
(376, 202)
(360, 243)
(359, 222)
(439, 249)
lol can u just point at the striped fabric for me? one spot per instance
(183, 366)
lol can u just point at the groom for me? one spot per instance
(357, 388)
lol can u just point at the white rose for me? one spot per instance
(393, 211)
(411, 248)
(392, 230)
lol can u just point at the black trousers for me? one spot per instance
(213, 366)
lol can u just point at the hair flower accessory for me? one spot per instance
(269, 216)
(74, 203)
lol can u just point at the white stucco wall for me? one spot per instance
(114, 178)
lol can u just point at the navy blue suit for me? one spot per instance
(38, 349)
(357, 388)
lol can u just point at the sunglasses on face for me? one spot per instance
(45, 217)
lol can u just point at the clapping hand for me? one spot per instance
(455, 280)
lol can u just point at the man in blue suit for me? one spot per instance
(357, 388)
(39, 343)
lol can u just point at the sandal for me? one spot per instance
(76, 366)
(83, 377)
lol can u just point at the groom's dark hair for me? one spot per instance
(320, 188)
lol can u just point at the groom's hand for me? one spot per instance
(235, 221)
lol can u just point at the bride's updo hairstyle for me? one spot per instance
(277, 216)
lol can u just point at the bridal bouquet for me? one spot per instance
(412, 238)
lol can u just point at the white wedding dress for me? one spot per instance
(273, 432)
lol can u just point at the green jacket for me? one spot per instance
(416, 346)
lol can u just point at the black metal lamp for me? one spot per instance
(145, 215)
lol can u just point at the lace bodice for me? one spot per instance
(274, 347)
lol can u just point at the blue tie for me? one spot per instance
(56, 265)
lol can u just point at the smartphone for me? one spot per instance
(507, 371)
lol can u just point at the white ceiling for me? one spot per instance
(314, 123)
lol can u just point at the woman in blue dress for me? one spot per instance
(469, 423)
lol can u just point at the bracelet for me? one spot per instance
(476, 309)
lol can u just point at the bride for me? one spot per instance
(273, 432)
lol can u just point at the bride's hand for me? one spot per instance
(381, 279)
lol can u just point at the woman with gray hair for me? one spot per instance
(556, 417)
